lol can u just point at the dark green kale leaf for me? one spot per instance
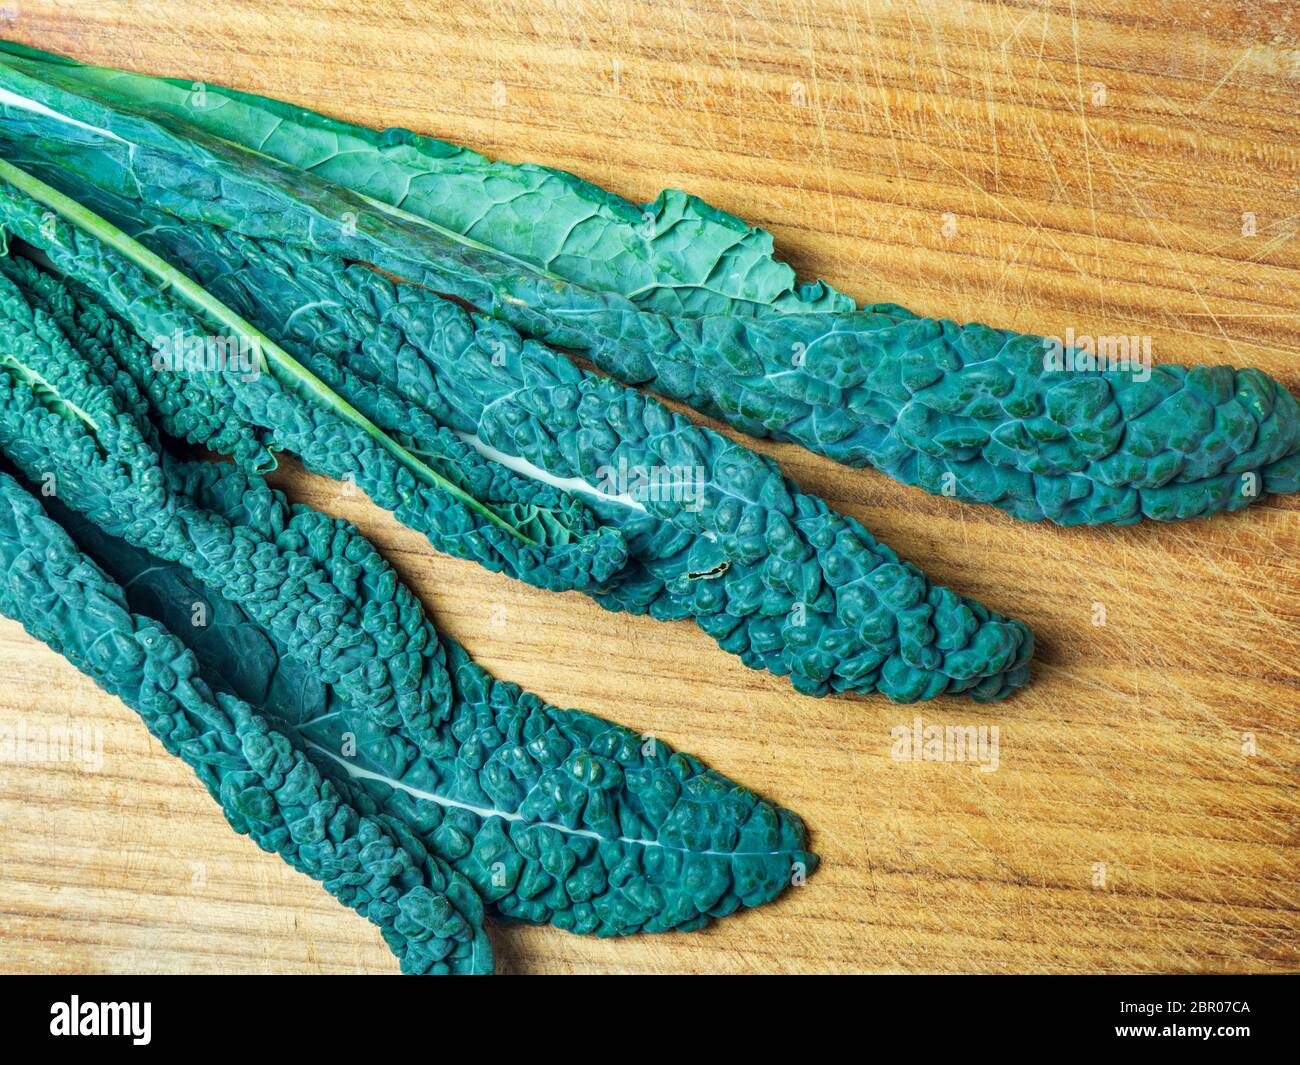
(771, 573)
(965, 411)
(267, 787)
(554, 815)
(280, 405)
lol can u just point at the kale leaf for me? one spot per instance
(274, 403)
(966, 411)
(771, 573)
(554, 816)
(267, 787)
(677, 255)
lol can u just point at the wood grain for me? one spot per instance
(1099, 165)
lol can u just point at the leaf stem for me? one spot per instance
(283, 366)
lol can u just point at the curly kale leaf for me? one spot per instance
(771, 573)
(279, 404)
(267, 787)
(554, 815)
(966, 411)
(676, 255)
(115, 476)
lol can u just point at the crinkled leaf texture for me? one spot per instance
(965, 411)
(464, 505)
(770, 572)
(678, 254)
(267, 787)
(553, 815)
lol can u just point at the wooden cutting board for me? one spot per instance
(1098, 166)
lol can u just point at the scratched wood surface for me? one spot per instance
(1102, 166)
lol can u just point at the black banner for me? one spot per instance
(337, 1015)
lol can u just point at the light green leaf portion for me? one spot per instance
(46, 392)
(273, 359)
(677, 255)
